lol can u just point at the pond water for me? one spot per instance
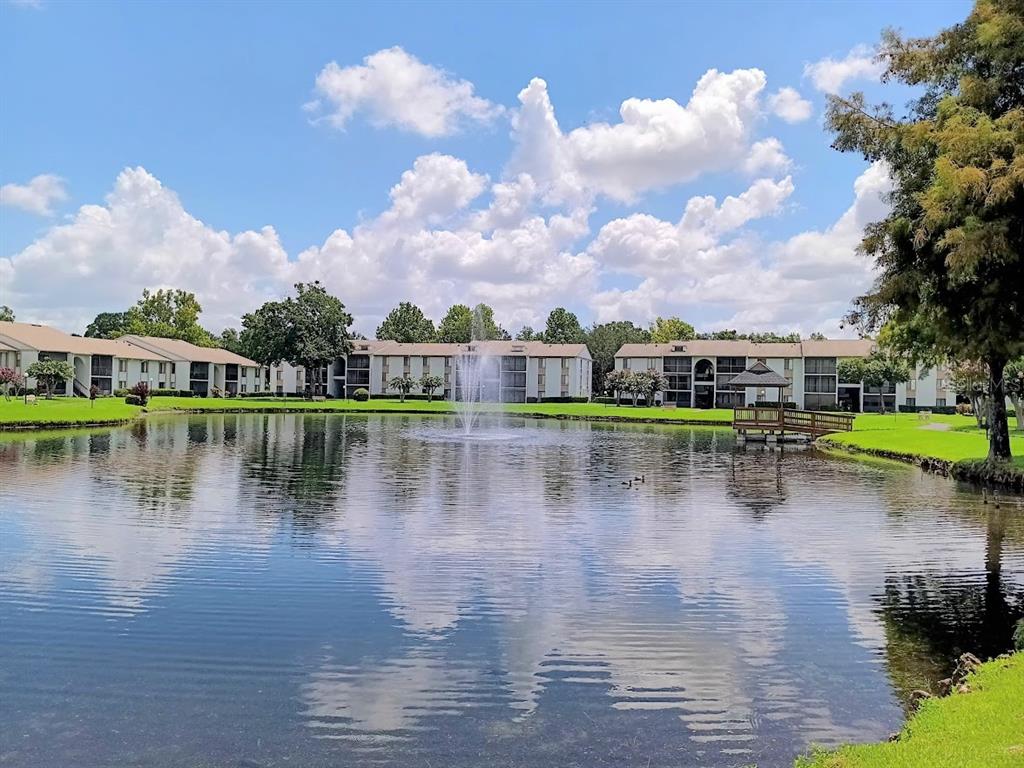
(374, 590)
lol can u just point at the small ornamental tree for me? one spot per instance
(617, 382)
(651, 383)
(636, 385)
(94, 392)
(403, 384)
(9, 379)
(970, 378)
(141, 391)
(48, 373)
(430, 383)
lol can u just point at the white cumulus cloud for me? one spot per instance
(394, 88)
(656, 143)
(788, 104)
(830, 75)
(38, 196)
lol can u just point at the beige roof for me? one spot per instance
(743, 348)
(43, 338)
(529, 348)
(177, 349)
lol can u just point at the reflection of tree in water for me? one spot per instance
(299, 463)
(931, 618)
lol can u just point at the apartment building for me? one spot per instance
(112, 364)
(200, 369)
(493, 371)
(699, 372)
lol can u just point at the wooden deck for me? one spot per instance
(787, 421)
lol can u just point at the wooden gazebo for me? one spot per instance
(774, 422)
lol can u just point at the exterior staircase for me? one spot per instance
(80, 389)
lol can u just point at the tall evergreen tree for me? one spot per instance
(408, 324)
(950, 254)
(563, 327)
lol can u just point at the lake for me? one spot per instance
(313, 590)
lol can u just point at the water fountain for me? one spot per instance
(474, 371)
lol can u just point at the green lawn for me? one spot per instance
(980, 729)
(566, 410)
(65, 411)
(906, 434)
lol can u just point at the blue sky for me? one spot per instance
(209, 99)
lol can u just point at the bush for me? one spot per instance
(1018, 636)
(965, 409)
(775, 404)
(410, 396)
(564, 400)
(133, 400)
(141, 391)
(121, 393)
(946, 410)
(361, 395)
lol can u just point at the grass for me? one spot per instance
(980, 729)
(556, 410)
(65, 411)
(907, 436)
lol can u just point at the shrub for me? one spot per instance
(134, 400)
(564, 400)
(121, 393)
(141, 391)
(216, 392)
(1018, 636)
(965, 409)
(946, 410)
(9, 380)
(362, 395)
(774, 404)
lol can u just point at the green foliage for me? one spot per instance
(108, 325)
(528, 334)
(619, 382)
(140, 391)
(604, 341)
(402, 384)
(407, 323)
(767, 337)
(1018, 636)
(10, 379)
(430, 383)
(309, 330)
(232, 341)
(6, 314)
(563, 327)
(48, 373)
(462, 325)
(169, 314)
(668, 329)
(949, 254)
(361, 395)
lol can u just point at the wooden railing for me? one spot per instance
(788, 420)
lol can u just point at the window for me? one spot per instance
(940, 402)
(822, 365)
(814, 402)
(145, 366)
(122, 366)
(162, 368)
(122, 384)
(912, 401)
(243, 387)
(678, 364)
(540, 364)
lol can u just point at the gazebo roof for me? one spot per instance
(759, 375)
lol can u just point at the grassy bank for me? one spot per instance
(983, 728)
(951, 443)
(585, 411)
(64, 412)
(73, 412)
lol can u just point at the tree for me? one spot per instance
(604, 341)
(94, 392)
(948, 255)
(1014, 376)
(618, 382)
(170, 314)
(429, 383)
(528, 334)
(318, 329)
(817, 336)
(9, 379)
(852, 370)
(6, 314)
(48, 373)
(971, 379)
(309, 330)
(563, 327)
(880, 368)
(403, 385)
(649, 383)
(231, 340)
(668, 329)
(407, 323)
(108, 325)
(462, 325)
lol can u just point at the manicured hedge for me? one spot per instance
(775, 404)
(946, 410)
(564, 400)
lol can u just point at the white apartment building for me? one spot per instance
(510, 371)
(113, 364)
(699, 372)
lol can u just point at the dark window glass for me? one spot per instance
(678, 364)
